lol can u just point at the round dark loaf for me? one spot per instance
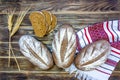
(35, 52)
(93, 55)
(64, 46)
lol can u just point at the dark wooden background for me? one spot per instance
(79, 13)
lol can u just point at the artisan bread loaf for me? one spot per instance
(35, 52)
(92, 55)
(64, 46)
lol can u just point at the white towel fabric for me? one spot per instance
(110, 31)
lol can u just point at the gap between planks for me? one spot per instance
(18, 57)
(37, 72)
(1, 42)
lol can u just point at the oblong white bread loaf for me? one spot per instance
(93, 55)
(35, 52)
(64, 46)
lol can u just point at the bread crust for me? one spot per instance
(64, 46)
(93, 55)
(35, 52)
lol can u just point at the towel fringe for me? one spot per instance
(80, 75)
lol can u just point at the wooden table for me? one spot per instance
(78, 13)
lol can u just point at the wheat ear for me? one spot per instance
(19, 20)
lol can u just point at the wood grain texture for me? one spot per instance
(79, 13)
(32, 76)
(63, 5)
(27, 76)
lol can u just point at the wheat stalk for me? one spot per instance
(10, 23)
(15, 58)
(14, 28)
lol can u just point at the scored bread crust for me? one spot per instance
(35, 52)
(64, 46)
(93, 55)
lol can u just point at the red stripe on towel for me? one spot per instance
(110, 31)
(115, 52)
(111, 62)
(86, 36)
(102, 71)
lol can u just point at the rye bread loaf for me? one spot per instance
(93, 55)
(64, 46)
(35, 52)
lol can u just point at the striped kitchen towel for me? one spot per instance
(110, 31)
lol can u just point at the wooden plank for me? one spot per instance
(73, 19)
(115, 73)
(63, 5)
(26, 65)
(28, 76)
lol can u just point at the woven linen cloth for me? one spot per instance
(110, 31)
